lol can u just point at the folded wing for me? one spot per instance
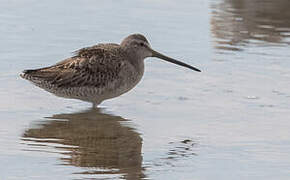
(94, 67)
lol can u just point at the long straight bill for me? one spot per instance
(174, 61)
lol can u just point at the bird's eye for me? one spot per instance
(142, 44)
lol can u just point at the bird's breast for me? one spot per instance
(129, 77)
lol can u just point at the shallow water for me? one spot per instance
(229, 122)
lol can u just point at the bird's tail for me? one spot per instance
(27, 74)
(40, 75)
(33, 74)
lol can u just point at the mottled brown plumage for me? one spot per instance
(99, 72)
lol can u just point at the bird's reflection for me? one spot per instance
(93, 140)
(237, 23)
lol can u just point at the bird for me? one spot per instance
(99, 72)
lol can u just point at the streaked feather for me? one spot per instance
(94, 66)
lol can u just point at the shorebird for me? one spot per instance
(99, 72)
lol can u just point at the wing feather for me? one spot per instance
(94, 66)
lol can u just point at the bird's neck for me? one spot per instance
(138, 64)
(136, 61)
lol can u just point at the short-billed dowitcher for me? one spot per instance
(99, 72)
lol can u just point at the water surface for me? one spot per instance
(229, 122)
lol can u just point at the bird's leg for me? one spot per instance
(95, 105)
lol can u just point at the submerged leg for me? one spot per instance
(95, 105)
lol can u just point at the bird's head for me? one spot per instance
(138, 46)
